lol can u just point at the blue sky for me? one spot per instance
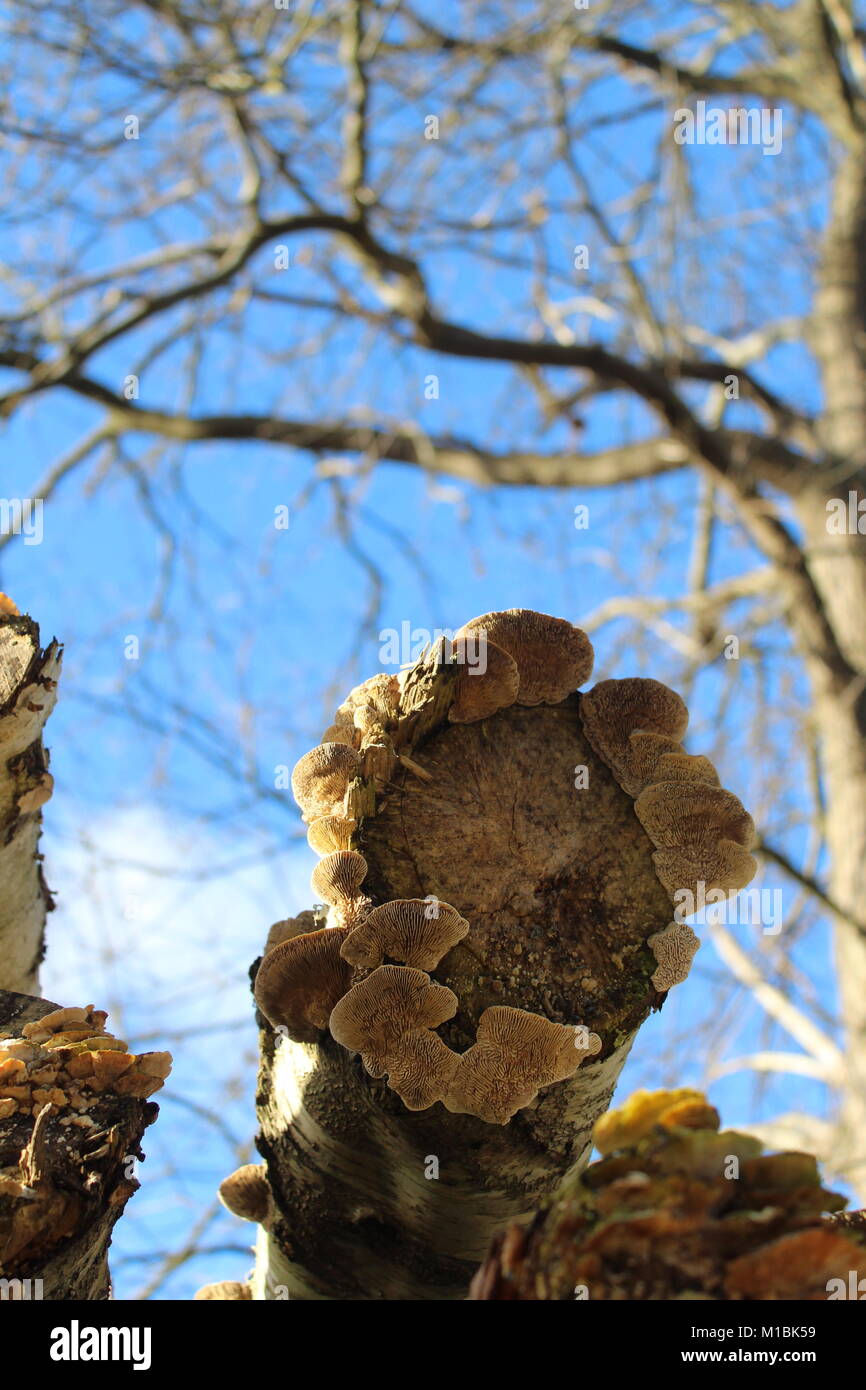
(169, 847)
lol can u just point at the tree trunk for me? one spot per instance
(557, 881)
(837, 564)
(28, 691)
(840, 719)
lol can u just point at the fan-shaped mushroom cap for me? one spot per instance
(701, 832)
(337, 880)
(321, 778)
(299, 982)
(725, 866)
(677, 766)
(338, 877)
(631, 724)
(392, 1001)
(674, 949)
(227, 1288)
(289, 927)
(680, 814)
(417, 931)
(477, 693)
(8, 608)
(342, 733)
(246, 1192)
(652, 1219)
(553, 657)
(60, 1019)
(641, 758)
(514, 1055)
(421, 1069)
(327, 834)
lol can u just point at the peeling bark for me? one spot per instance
(28, 691)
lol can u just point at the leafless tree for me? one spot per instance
(520, 190)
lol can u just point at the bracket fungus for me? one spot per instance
(415, 931)
(337, 880)
(647, 1111)
(553, 657)
(678, 814)
(300, 980)
(380, 693)
(658, 1217)
(421, 1068)
(320, 779)
(369, 722)
(478, 692)
(514, 1055)
(615, 712)
(342, 733)
(65, 1057)
(676, 766)
(701, 833)
(288, 927)
(246, 1193)
(725, 867)
(674, 948)
(74, 1103)
(228, 1289)
(375, 1013)
(327, 834)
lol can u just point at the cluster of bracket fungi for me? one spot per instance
(365, 975)
(64, 1139)
(658, 1217)
(59, 1074)
(66, 1058)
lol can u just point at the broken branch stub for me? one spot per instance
(73, 1108)
(675, 1209)
(517, 830)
